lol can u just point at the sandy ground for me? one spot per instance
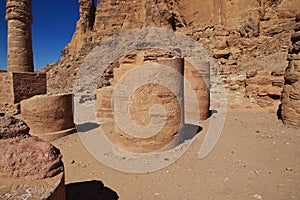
(256, 157)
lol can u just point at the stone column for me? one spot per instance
(290, 101)
(19, 19)
(152, 118)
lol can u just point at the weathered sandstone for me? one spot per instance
(291, 90)
(49, 116)
(19, 18)
(12, 127)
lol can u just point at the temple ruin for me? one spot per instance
(19, 82)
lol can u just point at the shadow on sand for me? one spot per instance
(190, 131)
(89, 190)
(86, 127)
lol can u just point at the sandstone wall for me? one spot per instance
(264, 87)
(27, 85)
(6, 91)
(16, 87)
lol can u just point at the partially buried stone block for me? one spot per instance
(49, 116)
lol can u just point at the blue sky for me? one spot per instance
(54, 22)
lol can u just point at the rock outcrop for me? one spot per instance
(239, 35)
(23, 156)
(12, 127)
(30, 158)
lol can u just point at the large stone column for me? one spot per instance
(19, 53)
(148, 105)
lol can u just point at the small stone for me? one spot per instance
(156, 194)
(289, 169)
(251, 73)
(221, 54)
(72, 161)
(257, 196)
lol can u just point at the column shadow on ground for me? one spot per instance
(190, 131)
(85, 127)
(89, 190)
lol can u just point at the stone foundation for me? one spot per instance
(49, 116)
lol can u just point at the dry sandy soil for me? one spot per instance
(256, 157)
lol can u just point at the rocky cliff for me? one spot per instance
(243, 36)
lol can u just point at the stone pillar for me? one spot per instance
(155, 111)
(19, 41)
(199, 81)
(290, 102)
(104, 111)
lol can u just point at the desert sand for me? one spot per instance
(256, 157)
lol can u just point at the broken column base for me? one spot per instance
(54, 135)
(49, 116)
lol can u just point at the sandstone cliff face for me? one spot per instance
(241, 35)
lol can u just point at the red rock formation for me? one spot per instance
(29, 157)
(240, 35)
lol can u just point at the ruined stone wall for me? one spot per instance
(6, 91)
(27, 85)
(15, 87)
(264, 87)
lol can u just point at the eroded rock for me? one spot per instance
(29, 157)
(12, 127)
